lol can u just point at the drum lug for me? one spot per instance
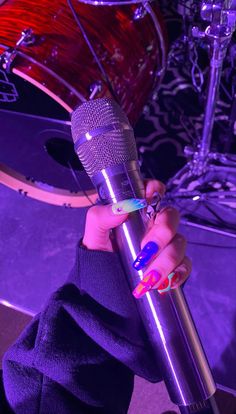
(27, 38)
(6, 58)
(94, 88)
(139, 13)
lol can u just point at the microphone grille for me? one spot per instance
(112, 140)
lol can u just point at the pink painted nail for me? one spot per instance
(146, 284)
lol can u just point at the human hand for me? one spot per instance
(162, 230)
(162, 257)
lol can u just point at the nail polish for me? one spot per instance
(127, 206)
(150, 280)
(167, 284)
(176, 280)
(145, 255)
(153, 206)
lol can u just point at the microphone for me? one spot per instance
(105, 144)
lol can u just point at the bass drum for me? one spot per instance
(54, 56)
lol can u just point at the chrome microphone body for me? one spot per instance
(114, 170)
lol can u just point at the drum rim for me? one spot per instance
(36, 189)
(43, 88)
(38, 85)
(40, 191)
(110, 3)
(44, 192)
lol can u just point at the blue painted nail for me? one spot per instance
(146, 254)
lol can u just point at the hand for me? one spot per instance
(163, 231)
(162, 255)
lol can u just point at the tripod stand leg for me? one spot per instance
(180, 175)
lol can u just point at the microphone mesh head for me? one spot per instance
(106, 149)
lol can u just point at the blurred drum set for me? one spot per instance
(56, 55)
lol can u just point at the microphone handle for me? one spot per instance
(166, 317)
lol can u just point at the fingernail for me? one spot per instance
(127, 206)
(172, 281)
(156, 199)
(145, 255)
(154, 205)
(146, 284)
(176, 280)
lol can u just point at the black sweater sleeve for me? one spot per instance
(79, 355)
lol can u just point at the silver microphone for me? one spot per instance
(105, 144)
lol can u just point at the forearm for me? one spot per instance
(82, 350)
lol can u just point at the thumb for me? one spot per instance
(101, 219)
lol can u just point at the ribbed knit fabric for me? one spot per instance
(80, 354)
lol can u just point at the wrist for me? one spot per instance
(98, 245)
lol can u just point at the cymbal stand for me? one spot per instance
(202, 161)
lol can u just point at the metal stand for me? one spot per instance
(202, 161)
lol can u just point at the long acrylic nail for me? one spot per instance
(127, 206)
(177, 280)
(150, 280)
(169, 282)
(145, 255)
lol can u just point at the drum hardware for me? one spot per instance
(27, 38)
(219, 11)
(185, 46)
(140, 12)
(57, 87)
(188, 8)
(93, 52)
(28, 187)
(8, 92)
(211, 11)
(7, 58)
(218, 35)
(160, 73)
(95, 88)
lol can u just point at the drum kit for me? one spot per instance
(56, 55)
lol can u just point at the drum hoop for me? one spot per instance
(110, 3)
(44, 192)
(157, 26)
(42, 88)
(40, 85)
(35, 189)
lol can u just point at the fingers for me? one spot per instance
(161, 267)
(182, 272)
(101, 219)
(152, 187)
(169, 258)
(164, 228)
(177, 277)
(154, 281)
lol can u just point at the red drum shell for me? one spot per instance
(128, 49)
(60, 63)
